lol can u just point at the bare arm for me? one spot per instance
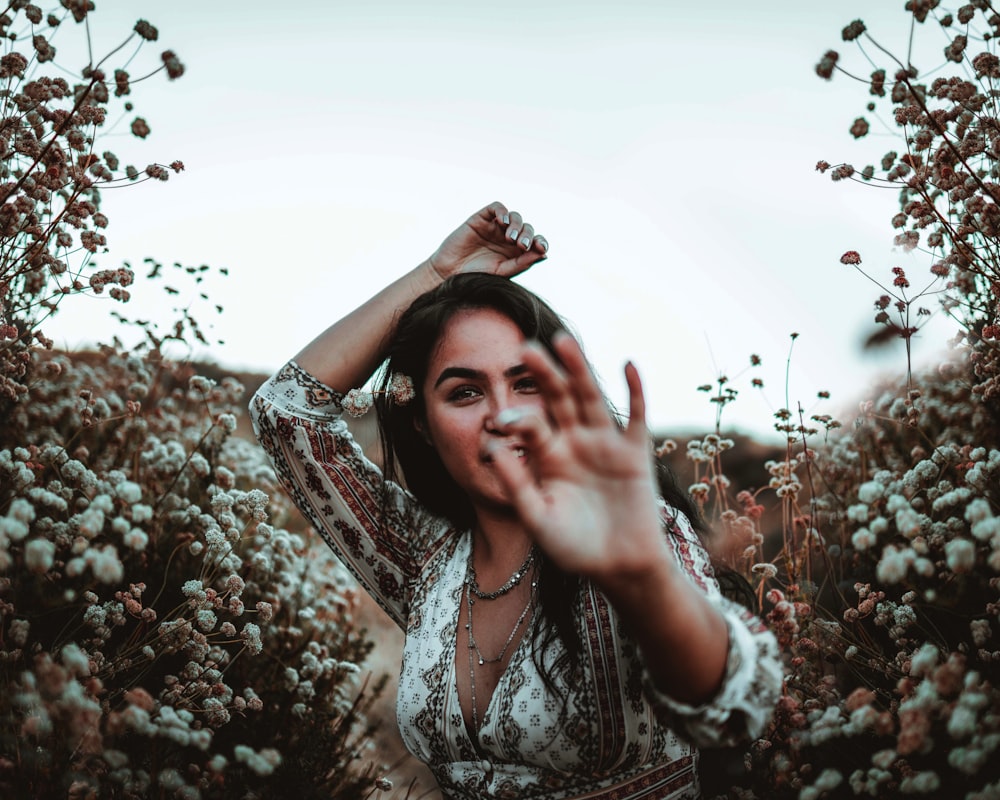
(492, 240)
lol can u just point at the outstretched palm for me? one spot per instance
(586, 492)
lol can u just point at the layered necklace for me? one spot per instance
(472, 591)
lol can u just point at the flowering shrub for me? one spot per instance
(164, 630)
(158, 631)
(883, 584)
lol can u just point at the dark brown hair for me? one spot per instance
(410, 459)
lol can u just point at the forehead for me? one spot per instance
(477, 335)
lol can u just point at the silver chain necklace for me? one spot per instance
(474, 647)
(512, 581)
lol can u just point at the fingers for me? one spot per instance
(571, 391)
(519, 483)
(636, 428)
(516, 230)
(587, 393)
(517, 456)
(553, 385)
(525, 424)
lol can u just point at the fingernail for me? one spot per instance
(514, 234)
(526, 242)
(510, 415)
(543, 244)
(506, 219)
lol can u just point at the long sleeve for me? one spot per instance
(378, 529)
(746, 700)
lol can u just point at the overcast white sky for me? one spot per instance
(665, 149)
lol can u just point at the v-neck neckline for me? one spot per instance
(474, 736)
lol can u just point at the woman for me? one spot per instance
(565, 636)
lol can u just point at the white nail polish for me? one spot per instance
(514, 234)
(526, 242)
(511, 415)
(506, 219)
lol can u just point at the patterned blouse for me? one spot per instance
(608, 735)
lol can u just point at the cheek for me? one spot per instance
(451, 432)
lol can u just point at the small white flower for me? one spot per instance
(206, 620)
(863, 539)
(924, 660)
(960, 554)
(13, 529)
(978, 509)
(894, 564)
(201, 384)
(896, 502)
(129, 492)
(199, 465)
(21, 510)
(38, 555)
(105, 564)
(136, 539)
(401, 389)
(357, 402)
(986, 529)
(263, 763)
(74, 659)
(18, 632)
(870, 491)
(926, 782)
(251, 637)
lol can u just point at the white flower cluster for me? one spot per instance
(170, 501)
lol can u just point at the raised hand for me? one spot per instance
(586, 490)
(492, 240)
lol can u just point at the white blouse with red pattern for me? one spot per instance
(607, 733)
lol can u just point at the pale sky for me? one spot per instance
(666, 151)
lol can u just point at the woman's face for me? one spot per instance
(474, 373)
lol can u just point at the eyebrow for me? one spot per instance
(475, 374)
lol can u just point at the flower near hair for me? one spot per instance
(357, 402)
(400, 391)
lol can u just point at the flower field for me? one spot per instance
(170, 628)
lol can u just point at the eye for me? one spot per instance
(462, 394)
(526, 385)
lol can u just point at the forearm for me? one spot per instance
(683, 638)
(346, 354)
(491, 240)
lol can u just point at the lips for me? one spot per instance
(516, 447)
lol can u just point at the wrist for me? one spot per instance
(434, 273)
(638, 582)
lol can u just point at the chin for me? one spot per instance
(493, 503)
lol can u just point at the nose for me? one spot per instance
(498, 402)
